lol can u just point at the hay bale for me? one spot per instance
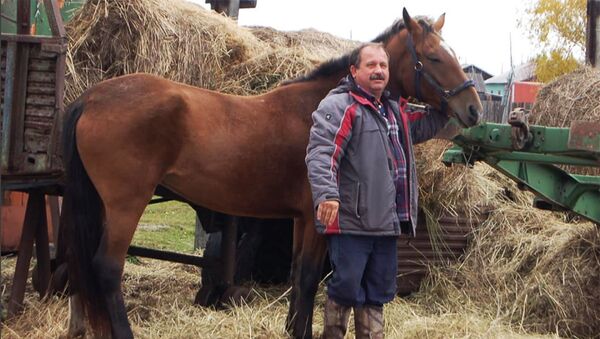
(572, 97)
(184, 42)
(314, 45)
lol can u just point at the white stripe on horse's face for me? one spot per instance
(447, 48)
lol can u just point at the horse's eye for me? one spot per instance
(433, 59)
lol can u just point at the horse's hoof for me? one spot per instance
(208, 295)
(58, 280)
(237, 295)
(73, 334)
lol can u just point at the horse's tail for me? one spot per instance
(82, 224)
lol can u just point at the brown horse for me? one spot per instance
(237, 155)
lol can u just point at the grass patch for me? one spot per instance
(168, 225)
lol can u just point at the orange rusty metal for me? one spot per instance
(12, 215)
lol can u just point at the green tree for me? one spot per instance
(558, 26)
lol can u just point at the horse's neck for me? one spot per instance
(398, 87)
(306, 95)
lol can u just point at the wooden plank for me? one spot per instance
(46, 65)
(46, 77)
(37, 128)
(47, 112)
(40, 88)
(35, 39)
(33, 214)
(40, 100)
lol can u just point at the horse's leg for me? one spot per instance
(298, 236)
(308, 269)
(76, 318)
(122, 216)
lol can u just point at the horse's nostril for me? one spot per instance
(474, 114)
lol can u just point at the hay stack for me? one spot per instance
(176, 40)
(572, 97)
(313, 45)
(186, 43)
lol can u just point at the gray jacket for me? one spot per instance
(347, 160)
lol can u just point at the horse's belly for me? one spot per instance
(243, 195)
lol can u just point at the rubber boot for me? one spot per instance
(336, 320)
(368, 322)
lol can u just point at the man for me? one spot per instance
(363, 179)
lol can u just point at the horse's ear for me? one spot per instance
(439, 23)
(411, 24)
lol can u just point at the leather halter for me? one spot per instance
(445, 94)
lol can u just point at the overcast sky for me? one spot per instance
(478, 30)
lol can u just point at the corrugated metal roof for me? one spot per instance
(523, 72)
(470, 68)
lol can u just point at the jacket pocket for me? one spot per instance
(357, 209)
(350, 199)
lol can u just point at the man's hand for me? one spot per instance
(327, 211)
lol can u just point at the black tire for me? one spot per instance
(263, 252)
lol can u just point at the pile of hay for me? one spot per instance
(186, 43)
(572, 97)
(159, 308)
(527, 268)
(524, 267)
(314, 45)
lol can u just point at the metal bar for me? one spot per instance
(32, 215)
(9, 82)
(556, 186)
(23, 16)
(49, 182)
(495, 156)
(19, 93)
(6, 17)
(228, 247)
(171, 256)
(30, 38)
(55, 18)
(233, 9)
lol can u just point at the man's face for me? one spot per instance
(372, 74)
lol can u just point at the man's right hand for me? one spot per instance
(327, 211)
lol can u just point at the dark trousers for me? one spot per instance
(364, 269)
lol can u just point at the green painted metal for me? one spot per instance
(534, 166)
(38, 15)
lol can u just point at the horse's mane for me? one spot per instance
(333, 66)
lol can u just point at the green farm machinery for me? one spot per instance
(531, 155)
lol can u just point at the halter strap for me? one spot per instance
(445, 94)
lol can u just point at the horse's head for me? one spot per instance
(423, 66)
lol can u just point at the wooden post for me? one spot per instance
(233, 9)
(592, 52)
(34, 219)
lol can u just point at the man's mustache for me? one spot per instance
(377, 76)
